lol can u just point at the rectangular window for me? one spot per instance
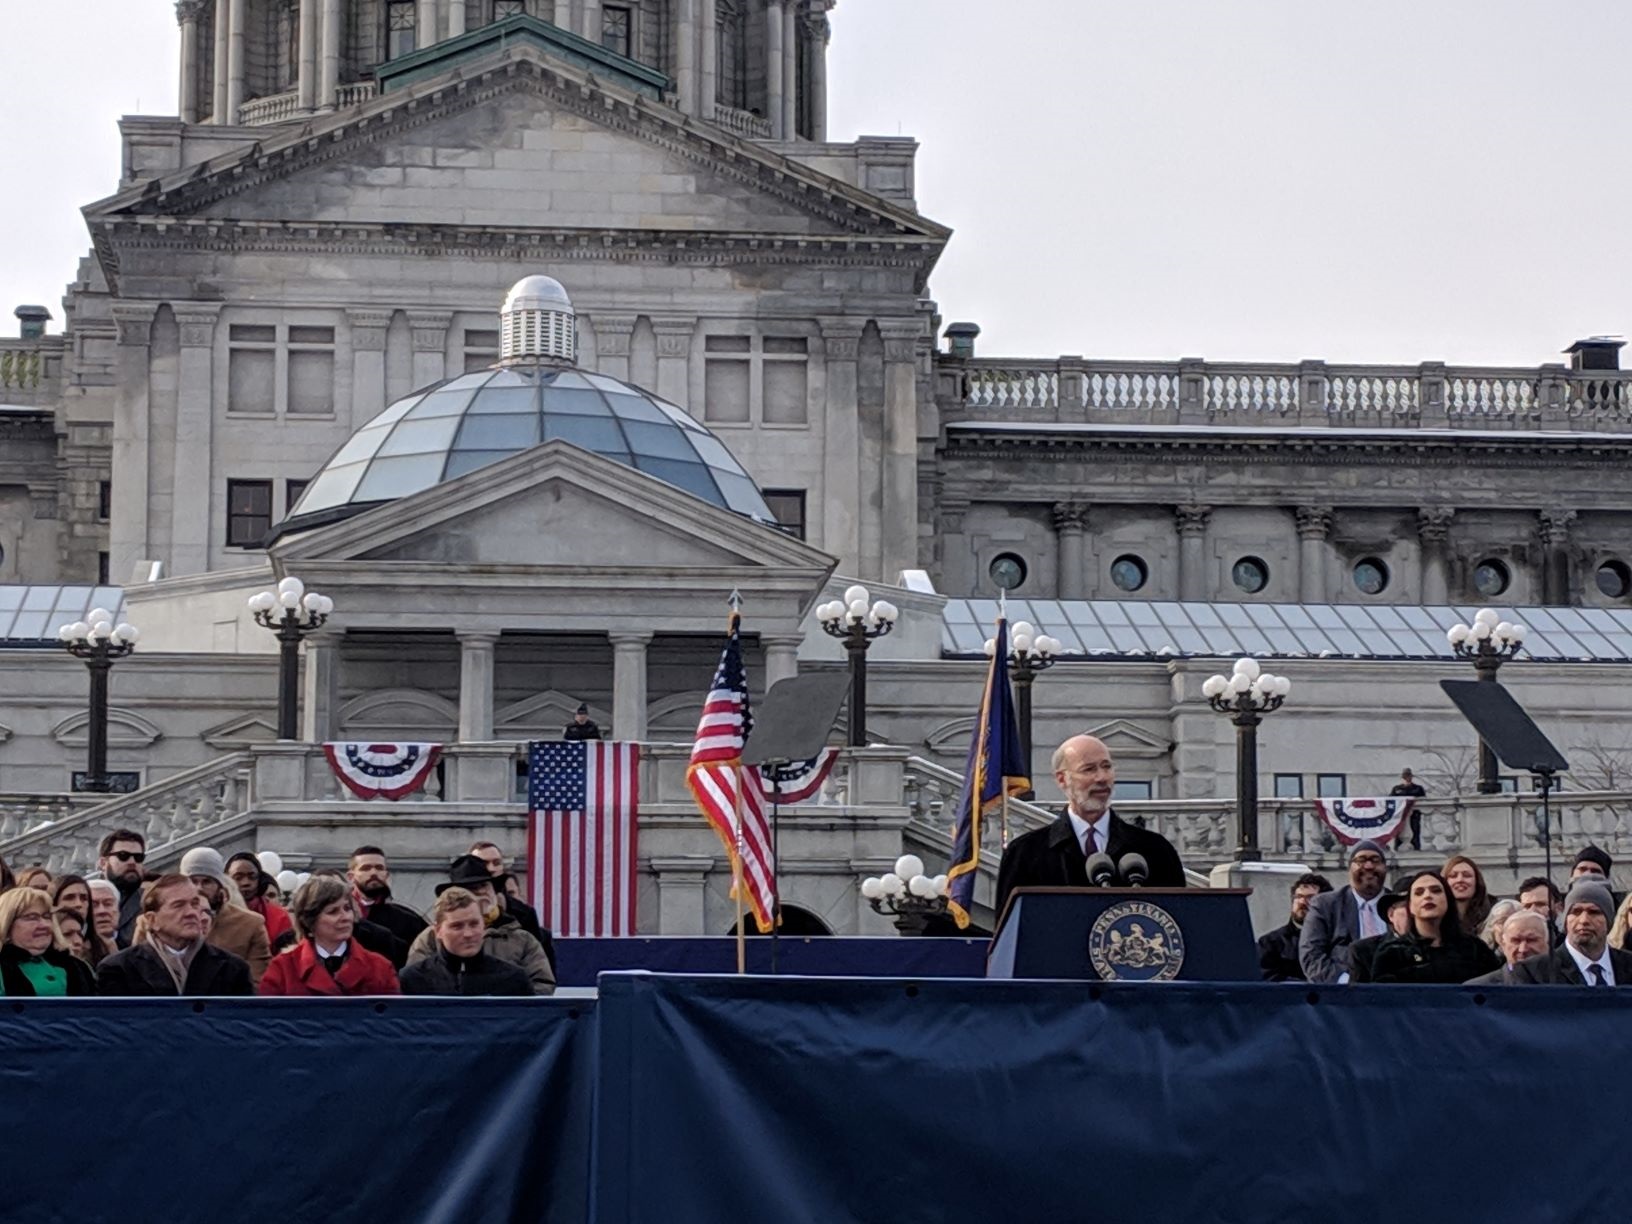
(1331, 786)
(616, 28)
(1509, 784)
(786, 380)
(292, 489)
(252, 364)
(249, 512)
(789, 507)
(1289, 786)
(481, 349)
(401, 28)
(101, 569)
(274, 368)
(725, 379)
(104, 500)
(311, 371)
(1125, 790)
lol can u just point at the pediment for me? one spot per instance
(237, 734)
(555, 506)
(543, 715)
(125, 730)
(1129, 739)
(518, 139)
(399, 714)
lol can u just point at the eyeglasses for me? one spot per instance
(126, 856)
(33, 917)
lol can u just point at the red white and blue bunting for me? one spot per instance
(1356, 820)
(382, 771)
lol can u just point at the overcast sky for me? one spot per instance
(1393, 181)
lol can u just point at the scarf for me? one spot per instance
(177, 966)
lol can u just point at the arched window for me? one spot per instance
(732, 28)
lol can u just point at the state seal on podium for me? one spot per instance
(1136, 941)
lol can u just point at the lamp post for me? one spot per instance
(1488, 643)
(906, 894)
(291, 612)
(98, 642)
(1246, 695)
(1030, 653)
(856, 622)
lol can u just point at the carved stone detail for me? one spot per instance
(189, 11)
(673, 336)
(1555, 526)
(1070, 517)
(1434, 524)
(1314, 522)
(369, 329)
(430, 331)
(612, 334)
(134, 322)
(196, 325)
(1192, 520)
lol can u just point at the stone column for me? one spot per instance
(773, 66)
(128, 529)
(430, 333)
(368, 332)
(781, 656)
(426, 25)
(841, 444)
(674, 359)
(311, 32)
(328, 77)
(612, 334)
(708, 69)
(223, 44)
(236, 47)
(900, 525)
(187, 14)
(1191, 522)
(1071, 529)
(790, 72)
(190, 517)
(821, 30)
(320, 686)
(475, 686)
(456, 18)
(563, 15)
(592, 21)
(1433, 525)
(682, 895)
(953, 577)
(629, 684)
(685, 54)
(1555, 556)
(1314, 522)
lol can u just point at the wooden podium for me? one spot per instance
(1126, 935)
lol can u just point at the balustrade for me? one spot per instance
(742, 123)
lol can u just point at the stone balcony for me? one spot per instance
(285, 107)
(1308, 395)
(31, 372)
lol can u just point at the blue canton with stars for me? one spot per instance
(557, 776)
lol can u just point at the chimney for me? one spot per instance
(1596, 353)
(33, 320)
(960, 339)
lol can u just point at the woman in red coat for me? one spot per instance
(327, 960)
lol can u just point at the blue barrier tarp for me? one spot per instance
(579, 962)
(292, 1110)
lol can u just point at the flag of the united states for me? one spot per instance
(582, 802)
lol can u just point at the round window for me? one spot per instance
(1615, 579)
(1371, 576)
(1128, 573)
(1250, 574)
(1490, 578)
(1008, 571)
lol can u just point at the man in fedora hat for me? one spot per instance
(582, 727)
(504, 939)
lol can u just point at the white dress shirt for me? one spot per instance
(1101, 828)
(1369, 922)
(1585, 965)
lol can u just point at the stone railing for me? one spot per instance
(20, 814)
(353, 92)
(274, 108)
(164, 813)
(30, 371)
(742, 123)
(1312, 394)
(932, 793)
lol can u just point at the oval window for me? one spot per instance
(1614, 579)
(1128, 573)
(1491, 578)
(1250, 574)
(1007, 571)
(1371, 576)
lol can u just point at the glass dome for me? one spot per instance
(468, 422)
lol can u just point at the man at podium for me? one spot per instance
(1056, 856)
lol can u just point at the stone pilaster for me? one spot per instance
(1314, 524)
(368, 332)
(311, 35)
(188, 15)
(708, 60)
(129, 542)
(1554, 528)
(781, 656)
(1071, 530)
(1191, 524)
(1433, 526)
(194, 480)
(476, 686)
(320, 686)
(685, 53)
(612, 333)
(430, 332)
(328, 60)
(900, 474)
(222, 60)
(821, 32)
(682, 895)
(790, 71)
(237, 50)
(629, 684)
(674, 358)
(841, 442)
(774, 85)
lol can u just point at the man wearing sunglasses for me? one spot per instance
(119, 859)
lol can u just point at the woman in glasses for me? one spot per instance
(33, 961)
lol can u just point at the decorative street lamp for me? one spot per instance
(856, 622)
(98, 641)
(1246, 695)
(291, 612)
(1030, 652)
(1488, 643)
(906, 894)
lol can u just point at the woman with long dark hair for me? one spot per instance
(1434, 947)
(1467, 884)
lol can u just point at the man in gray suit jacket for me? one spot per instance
(1337, 919)
(1585, 959)
(1524, 935)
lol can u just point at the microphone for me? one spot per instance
(1101, 870)
(1134, 869)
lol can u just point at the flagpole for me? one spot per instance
(1003, 838)
(736, 879)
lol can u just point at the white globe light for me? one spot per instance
(311, 601)
(101, 629)
(127, 633)
(872, 888)
(824, 612)
(1048, 645)
(66, 634)
(1019, 627)
(81, 629)
(922, 886)
(1022, 642)
(1503, 631)
(325, 606)
(294, 584)
(1480, 631)
(891, 884)
(1239, 683)
(990, 647)
(854, 593)
(99, 614)
(1486, 616)
(884, 610)
(1248, 668)
(1213, 686)
(271, 862)
(302, 876)
(1517, 633)
(940, 883)
(909, 865)
(858, 609)
(288, 881)
(289, 599)
(1458, 634)
(1283, 686)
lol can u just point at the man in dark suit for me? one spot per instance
(1586, 959)
(1337, 919)
(1524, 934)
(1278, 949)
(1055, 856)
(1396, 916)
(172, 958)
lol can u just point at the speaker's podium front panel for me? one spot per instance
(1126, 935)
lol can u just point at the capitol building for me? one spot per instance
(528, 331)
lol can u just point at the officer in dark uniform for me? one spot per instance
(581, 727)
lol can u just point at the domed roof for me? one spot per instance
(468, 422)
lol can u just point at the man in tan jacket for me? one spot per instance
(236, 928)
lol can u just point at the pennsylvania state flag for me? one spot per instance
(994, 771)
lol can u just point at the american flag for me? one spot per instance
(716, 772)
(582, 798)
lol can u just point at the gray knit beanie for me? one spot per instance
(1590, 892)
